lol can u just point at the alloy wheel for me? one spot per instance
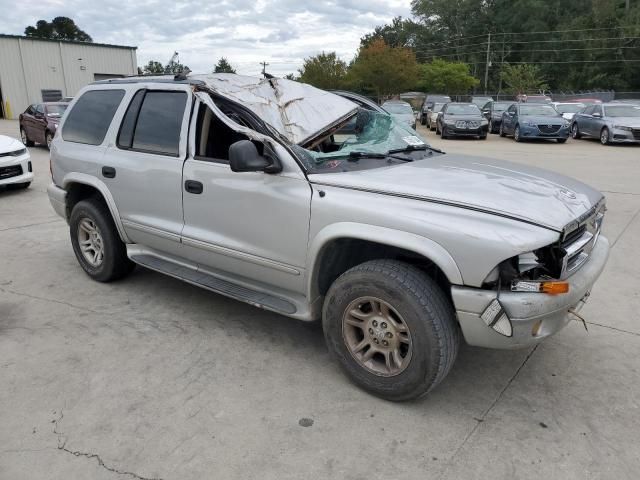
(90, 241)
(376, 336)
(23, 136)
(604, 136)
(49, 139)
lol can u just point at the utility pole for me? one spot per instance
(264, 69)
(486, 66)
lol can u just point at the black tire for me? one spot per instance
(25, 138)
(443, 133)
(424, 308)
(604, 136)
(501, 131)
(48, 138)
(483, 137)
(422, 120)
(115, 264)
(561, 140)
(575, 131)
(516, 134)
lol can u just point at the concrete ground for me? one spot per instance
(153, 378)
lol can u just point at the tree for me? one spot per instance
(153, 68)
(384, 70)
(290, 76)
(447, 77)
(223, 66)
(523, 78)
(324, 70)
(60, 28)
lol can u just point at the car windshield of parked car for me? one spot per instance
(366, 132)
(501, 106)
(398, 108)
(569, 107)
(622, 111)
(437, 107)
(463, 109)
(55, 110)
(538, 110)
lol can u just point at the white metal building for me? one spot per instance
(34, 70)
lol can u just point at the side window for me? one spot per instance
(31, 110)
(89, 119)
(40, 109)
(153, 122)
(214, 137)
(513, 109)
(588, 110)
(597, 110)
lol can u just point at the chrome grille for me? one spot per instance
(549, 129)
(12, 171)
(467, 124)
(579, 243)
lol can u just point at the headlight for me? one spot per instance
(623, 127)
(528, 122)
(17, 153)
(450, 122)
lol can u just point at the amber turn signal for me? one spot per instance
(554, 288)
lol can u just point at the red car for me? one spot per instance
(39, 122)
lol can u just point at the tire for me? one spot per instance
(422, 120)
(483, 137)
(419, 304)
(561, 140)
(604, 136)
(516, 134)
(25, 139)
(443, 133)
(114, 263)
(48, 138)
(501, 132)
(575, 131)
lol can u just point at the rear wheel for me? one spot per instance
(391, 328)
(95, 240)
(604, 136)
(575, 131)
(25, 139)
(502, 134)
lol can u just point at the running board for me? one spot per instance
(210, 282)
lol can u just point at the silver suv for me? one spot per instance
(318, 206)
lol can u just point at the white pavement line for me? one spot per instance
(31, 225)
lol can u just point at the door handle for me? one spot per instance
(108, 172)
(193, 186)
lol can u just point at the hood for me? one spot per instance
(296, 110)
(625, 121)
(9, 144)
(525, 193)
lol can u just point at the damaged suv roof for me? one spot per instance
(297, 110)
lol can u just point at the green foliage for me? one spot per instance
(60, 28)
(223, 66)
(383, 70)
(153, 68)
(290, 76)
(324, 70)
(447, 77)
(523, 78)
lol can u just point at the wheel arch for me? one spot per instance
(80, 186)
(338, 247)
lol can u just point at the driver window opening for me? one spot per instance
(214, 137)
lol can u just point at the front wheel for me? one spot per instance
(604, 136)
(516, 134)
(391, 328)
(96, 243)
(575, 131)
(502, 134)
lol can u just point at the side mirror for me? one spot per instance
(597, 115)
(244, 157)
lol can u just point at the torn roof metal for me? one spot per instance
(297, 110)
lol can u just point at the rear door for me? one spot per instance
(39, 124)
(143, 167)
(252, 225)
(597, 121)
(585, 120)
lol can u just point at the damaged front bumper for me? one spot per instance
(533, 316)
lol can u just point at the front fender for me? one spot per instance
(90, 180)
(386, 236)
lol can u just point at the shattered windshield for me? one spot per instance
(367, 135)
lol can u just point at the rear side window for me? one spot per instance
(153, 122)
(89, 119)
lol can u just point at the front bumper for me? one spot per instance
(58, 199)
(618, 135)
(16, 169)
(466, 132)
(533, 316)
(532, 131)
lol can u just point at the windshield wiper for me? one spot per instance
(414, 148)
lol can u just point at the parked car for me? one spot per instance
(222, 181)
(526, 121)
(461, 119)
(632, 101)
(610, 122)
(15, 163)
(523, 98)
(493, 111)
(480, 101)
(432, 116)
(568, 109)
(429, 102)
(401, 111)
(39, 122)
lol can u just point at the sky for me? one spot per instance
(246, 32)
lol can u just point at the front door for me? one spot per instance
(143, 169)
(250, 226)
